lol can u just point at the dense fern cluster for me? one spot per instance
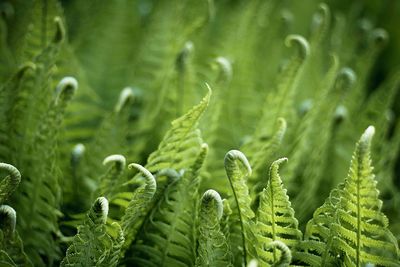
(94, 177)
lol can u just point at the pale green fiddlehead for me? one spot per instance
(10, 182)
(213, 249)
(286, 254)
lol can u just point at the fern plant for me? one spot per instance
(169, 153)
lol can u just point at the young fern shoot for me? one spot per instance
(237, 169)
(10, 182)
(213, 249)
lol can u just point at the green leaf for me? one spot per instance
(139, 205)
(213, 249)
(360, 226)
(168, 236)
(237, 169)
(92, 245)
(275, 219)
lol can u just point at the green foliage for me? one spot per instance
(288, 79)
(213, 247)
(103, 249)
(275, 220)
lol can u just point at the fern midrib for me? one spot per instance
(273, 218)
(359, 160)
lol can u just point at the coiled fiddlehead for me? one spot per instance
(10, 182)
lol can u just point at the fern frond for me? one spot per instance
(10, 182)
(237, 169)
(92, 245)
(168, 236)
(213, 249)
(181, 143)
(280, 104)
(138, 206)
(39, 203)
(351, 223)
(361, 227)
(275, 220)
(11, 246)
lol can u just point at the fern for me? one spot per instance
(268, 101)
(350, 222)
(10, 182)
(237, 168)
(168, 237)
(275, 220)
(101, 251)
(138, 206)
(11, 246)
(213, 247)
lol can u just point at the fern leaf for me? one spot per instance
(178, 147)
(281, 105)
(275, 220)
(351, 223)
(361, 227)
(316, 249)
(168, 236)
(138, 206)
(10, 182)
(11, 247)
(237, 169)
(213, 249)
(40, 201)
(93, 231)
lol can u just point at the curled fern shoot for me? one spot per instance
(286, 254)
(10, 182)
(302, 46)
(11, 247)
(65, 89)
(237, 169)
(139, 205)
(93, 245)
(8, 220)
(213, 249)
(119, 161)
(225, 67)
(125, 97)
(112, 178)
